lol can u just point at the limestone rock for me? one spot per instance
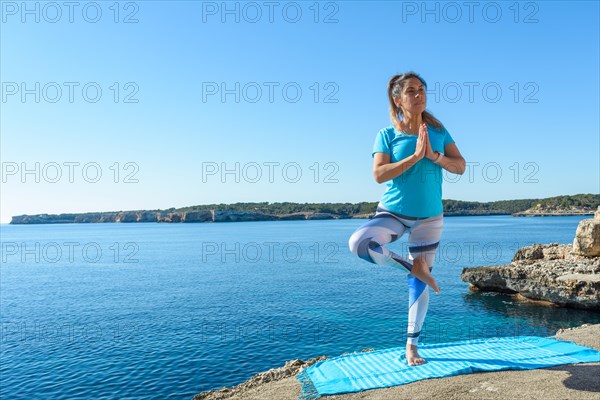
(291, 368)
(170, 217)
(148, 216)
(587, 238)
(126, 216)
(545, 273)
(235, 216)
(533, 252)
(198, 216)
(571, 285)
(551, 251)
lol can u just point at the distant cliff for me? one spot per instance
(552, 210)
(164, 216)
(578, 204)
(581, 204)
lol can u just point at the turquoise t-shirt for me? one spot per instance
(418, 191)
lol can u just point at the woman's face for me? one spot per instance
(413, 98)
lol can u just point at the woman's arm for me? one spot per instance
(452, 160)
(383, 170)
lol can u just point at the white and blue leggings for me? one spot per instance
(368, 242)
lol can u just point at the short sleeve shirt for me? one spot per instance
(417, 192)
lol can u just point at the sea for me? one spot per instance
(167, 310)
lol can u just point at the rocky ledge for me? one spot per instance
(579, 381)
(289, 370)
(554, 274)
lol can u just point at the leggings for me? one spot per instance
(385, 227)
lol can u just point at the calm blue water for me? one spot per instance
(165, 311)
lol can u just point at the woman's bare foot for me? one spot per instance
(421, 270)
(412, 356)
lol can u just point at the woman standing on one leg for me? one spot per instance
(409, 156)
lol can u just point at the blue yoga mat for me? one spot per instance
(384, 368)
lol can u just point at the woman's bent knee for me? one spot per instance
(359, 246)
(354, 242)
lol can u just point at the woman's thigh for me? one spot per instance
(382, 228)
(424, 238)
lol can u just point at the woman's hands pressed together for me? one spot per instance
(423, 148)
(429, 153)
(422, 143)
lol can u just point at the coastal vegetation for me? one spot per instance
(579, 204)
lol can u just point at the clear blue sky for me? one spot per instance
(541, 133)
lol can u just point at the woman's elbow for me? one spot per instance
(377, 177)
(462, 166)
(458, 167)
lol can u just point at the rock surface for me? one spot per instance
(587, 237)
(290, 369)
(549, 273)
(571, 381)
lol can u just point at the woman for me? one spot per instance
(409, 156)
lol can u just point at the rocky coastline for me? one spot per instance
(170, 217)
(551, 383)
(577, 204)
(193, 216)
(556, 275)
(221, 216)
(557, 213)
(549, 211)
(552, 274)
